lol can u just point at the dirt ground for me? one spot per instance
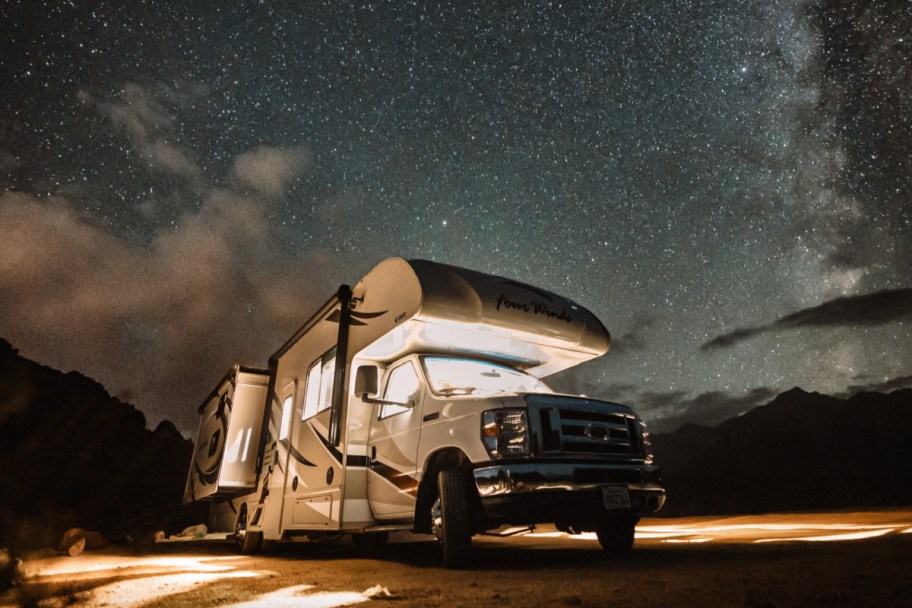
(821, 559)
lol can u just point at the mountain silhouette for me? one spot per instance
(73, 456)
(801, 451)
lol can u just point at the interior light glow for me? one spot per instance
(461, 376)
(474, 338)
(233, 448)
(247, 445)
(285, 427)
(441, 335)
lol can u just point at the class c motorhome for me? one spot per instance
(415, 401)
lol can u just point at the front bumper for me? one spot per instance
(542, 492)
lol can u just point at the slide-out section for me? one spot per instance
(228, 438)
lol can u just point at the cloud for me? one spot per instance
(634, 339)
(153, 321)
(9, 165)
(138, 113)
(158, 320)
(143, 114)
(883, 386)
(667, 412)
(269, 170)
(878, 308)
(174, 160)
(660, 401)
(8, 161)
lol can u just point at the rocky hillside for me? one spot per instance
(801, 451)
(72, 455)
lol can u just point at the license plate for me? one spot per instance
(616, 497)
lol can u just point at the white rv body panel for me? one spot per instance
(420, 306)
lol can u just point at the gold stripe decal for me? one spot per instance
(406, 483)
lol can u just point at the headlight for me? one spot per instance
(505, 433)
(647, 443)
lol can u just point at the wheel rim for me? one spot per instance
(437, 520)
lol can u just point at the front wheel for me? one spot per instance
(451, 518)
(616, 538)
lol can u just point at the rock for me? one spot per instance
(10, 570)
(377, 592)
(88, 539)
(77, 547)
(197, 531)
(146, 540)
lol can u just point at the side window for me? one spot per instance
(318, 394)
(401, 387)
(312, 392)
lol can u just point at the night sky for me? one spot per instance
(726, 184)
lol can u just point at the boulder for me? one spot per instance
(77, 540)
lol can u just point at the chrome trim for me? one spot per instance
(523, 478)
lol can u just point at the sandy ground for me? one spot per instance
(822, 559)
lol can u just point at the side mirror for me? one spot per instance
(366, 380)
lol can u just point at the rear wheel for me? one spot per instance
(247, 542)
(451, 518)
(616, 537)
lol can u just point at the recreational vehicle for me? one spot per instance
(415, 401)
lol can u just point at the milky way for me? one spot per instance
(182, 185)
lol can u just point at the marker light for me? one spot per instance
(647, 443)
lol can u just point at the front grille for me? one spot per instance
(585, 426)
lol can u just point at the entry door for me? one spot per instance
(313, 481)
(393, 445)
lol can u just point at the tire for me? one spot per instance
(247, 543)
(616, 538)
(451, 518)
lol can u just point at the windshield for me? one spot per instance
(451, 376)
